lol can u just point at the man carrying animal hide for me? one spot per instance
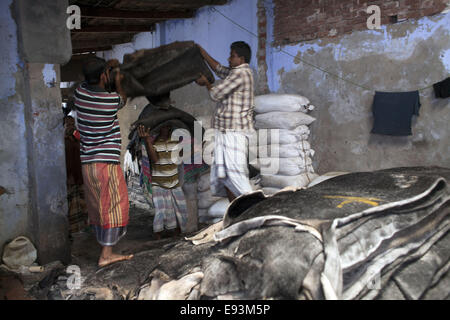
(100, 145)
(233, 121)
(167, 195)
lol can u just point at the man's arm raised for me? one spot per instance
(210, 60)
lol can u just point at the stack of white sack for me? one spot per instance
(284, 153)
(211, 209)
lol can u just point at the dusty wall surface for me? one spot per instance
(13, 169)
(32, 161)
(42, 25)
(405, 56)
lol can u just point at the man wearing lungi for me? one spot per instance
(100, 145)
(167, 195)
(233, 121)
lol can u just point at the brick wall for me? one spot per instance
(261, 86)
(302, 20)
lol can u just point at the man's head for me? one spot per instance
(161, 100)
(240, 53)
(93, 70)
(165, 131)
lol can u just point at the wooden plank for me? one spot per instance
(101, 42)
(114, 29)
(107, 13)
(91, 49)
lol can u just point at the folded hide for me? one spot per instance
(153, 72)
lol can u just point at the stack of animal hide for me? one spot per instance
(366, 235)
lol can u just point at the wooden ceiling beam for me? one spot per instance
(91, 49)
(100, 42)
(114, 29)
(107, 13)
(176, 3)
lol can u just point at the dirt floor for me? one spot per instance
(117, 281)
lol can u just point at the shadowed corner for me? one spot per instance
(241, 204)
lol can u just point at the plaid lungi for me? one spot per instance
(170, 208)
(78, 216)
(230, 166)
(106, 194)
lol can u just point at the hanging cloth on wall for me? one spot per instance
(393, 112)
(442, 89)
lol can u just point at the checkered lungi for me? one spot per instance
(170, 208)
(78, 216)
(230, 166)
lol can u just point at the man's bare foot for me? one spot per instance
(174, 232)
(112, 258)
(157, 235)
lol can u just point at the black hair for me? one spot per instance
(162, 99)
(93, 68)
(242, 49)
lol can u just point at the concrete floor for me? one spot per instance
(117, 281)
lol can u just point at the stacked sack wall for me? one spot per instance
(284, 152)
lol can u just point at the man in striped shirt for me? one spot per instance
(233, 121)
(100, 144)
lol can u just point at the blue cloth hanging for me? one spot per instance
(393, 112)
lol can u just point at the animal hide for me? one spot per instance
(153, 72)
(365, 235)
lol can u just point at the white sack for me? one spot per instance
(202, 215)
(285, 166)
(282, 102)
(282, 120)
(280, 136)
(218, 209)
(205, 199)
(290, 150)
(279, 181)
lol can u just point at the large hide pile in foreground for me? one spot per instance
(367, 235)
(153, 72)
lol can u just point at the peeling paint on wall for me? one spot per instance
(8, 54)
(445, 58)
(406, 56)
(49, 75)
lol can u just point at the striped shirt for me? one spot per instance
(165, 170)
(97, 121)
(235, 98)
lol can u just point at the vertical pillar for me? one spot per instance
(35, 40)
